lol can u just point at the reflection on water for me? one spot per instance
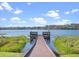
(51, 45)
(28, 46)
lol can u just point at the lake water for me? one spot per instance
(53, 34)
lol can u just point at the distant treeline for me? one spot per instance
(67, 26)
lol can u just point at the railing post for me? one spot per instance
(46, 35)
(33, 35)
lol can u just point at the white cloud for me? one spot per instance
(74, 10)
(57, 10)
(39, 20)
(6, 6)
(62, 22)
(53, 14)
(17, 20)
(29, 3)
(18, 11)
(3, 19)
(57, 17)
(15, 25)
(67, 12)
(1, 8)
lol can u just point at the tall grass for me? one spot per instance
(13, 44)
(67, 45)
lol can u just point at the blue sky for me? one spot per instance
(38, 13)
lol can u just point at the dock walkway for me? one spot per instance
(41, 49)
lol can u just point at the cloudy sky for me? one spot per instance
(38, 13)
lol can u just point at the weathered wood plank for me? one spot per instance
(41, 49)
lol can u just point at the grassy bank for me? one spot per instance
(11, 54)
(12, 45)
(67, 45)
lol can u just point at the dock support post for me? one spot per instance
(33, 35)
(46, 35)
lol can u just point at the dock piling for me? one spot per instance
(46, 35)
(33, 35)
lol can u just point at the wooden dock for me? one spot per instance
(41, 49)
